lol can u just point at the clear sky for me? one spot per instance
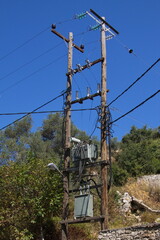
(33, 61)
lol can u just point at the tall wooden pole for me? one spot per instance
(104, 155)
(67, 141)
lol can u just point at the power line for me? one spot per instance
(135, 81)
(133, 118)
(97, 121)
(82, 33)
(42, 112)
(32, 38)
(75, 81)
(153, 95)
(29, 113)
(125, 46)
(86, 80)
(131, 51)
(23, 44)
(30, 75)
(67, 20)
(31, 61)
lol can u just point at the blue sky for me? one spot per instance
(33, 60)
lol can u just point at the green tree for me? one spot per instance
(31, 196)
(17, 140)
(14, 141)
(52, 131)
(139, 153)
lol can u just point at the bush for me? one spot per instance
(120, 175)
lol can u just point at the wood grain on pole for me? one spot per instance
(104, 172)
(67, 143)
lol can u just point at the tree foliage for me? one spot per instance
(139, 154)
(14, 141)
(30, 196)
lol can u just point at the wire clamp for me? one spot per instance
(88, 63)
(72, 72)
(79, 67)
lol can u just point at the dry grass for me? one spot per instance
(150, 195)
(154, 192)
(116, 218)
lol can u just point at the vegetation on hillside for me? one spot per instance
(31, 195)
(147, 194)
(139, 154)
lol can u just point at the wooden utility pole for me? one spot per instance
(67, 141)
(104, 155)
(103, 218)
(67, 144)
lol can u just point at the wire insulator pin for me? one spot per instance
(88, 63)
(79, 67)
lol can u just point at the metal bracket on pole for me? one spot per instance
(80, 100)
(84, 67)
(88, 63)
(79, 67)
(103, 21)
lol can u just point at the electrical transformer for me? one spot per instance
(83, 206)
(87, 152)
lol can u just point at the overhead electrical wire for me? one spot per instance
(38, 34)
(97, 121)
(131, 51)
(33, 73)
(31, 61)
(23, 44)
(84, 32)
(94, 76)
(64, 21)
(32, 38)
(95, 127)
(86, 80)
(81, 33)
(153, 95)
(131, 85)
(133, 118)
(75, 81)
(125, 46)
(42, 112)
(29, 113)
(92, 42)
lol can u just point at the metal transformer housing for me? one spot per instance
(83, 206)
(87, 152)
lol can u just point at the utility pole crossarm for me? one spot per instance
(80, 100)
(67, 40)
(103, 21)
(85, 66)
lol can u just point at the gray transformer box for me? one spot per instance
(83, 206)
(87, 152)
